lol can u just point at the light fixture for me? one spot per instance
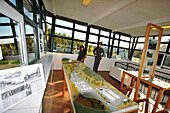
(86, 2)
(164, 27)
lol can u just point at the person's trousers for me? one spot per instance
(96, 63)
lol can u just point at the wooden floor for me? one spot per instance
(53, 101)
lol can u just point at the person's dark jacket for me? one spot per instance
(99, 52)
(82, 55)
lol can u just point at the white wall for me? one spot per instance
(89, 61)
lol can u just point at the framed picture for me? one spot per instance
(146, 70)
(150, 63)
(149, 54)
(152, 44)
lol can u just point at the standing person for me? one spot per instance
(82, 54)
(99, 53)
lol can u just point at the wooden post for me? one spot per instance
(167, 104)
(158, 100)
(64, 87)
(62, 72)
(122, 81)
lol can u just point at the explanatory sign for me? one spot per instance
(17, 84)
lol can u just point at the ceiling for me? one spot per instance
(127, 16)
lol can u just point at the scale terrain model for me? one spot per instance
(91, 93)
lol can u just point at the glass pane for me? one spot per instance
(125, 38)
(104, 40)
(38, 18)
(167, 61)
(90, 48)
(163, 47)
(93, 38)
(45, 42)
(139, 46)
(28, 9)
(41, 43)
(76, 46)
(114, 52)
(13, 2)
(49, 19)
(30, 40)
(124, 44)
(105, 48)
(117, 36)
(10, 49)
(137, 56)
(64, 23)
(79, 35)
(43, 24)
(92, 30)
(123, 53)
(63, 32)
(4, 19)
(6, 31)
(106, 33)
(116, 43)
(49, 29)
(165, 39)
(141, 39)
(62, 45)
(80, 27)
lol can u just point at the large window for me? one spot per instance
(137, 56)
(93, 38)
(79, 35)
(81, 27)
(49, 19)
(64, 23)
(76, 46)
(123, 53)
(63, 32)
(62, 45)
(28, 8)
(104, 40)
(31, 43)
(90, 48)
(10, 43)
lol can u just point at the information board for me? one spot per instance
(18, 84)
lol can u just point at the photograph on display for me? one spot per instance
(33, 75)
(11, 79)
(146, 70)
(150, 63)
(149, 54)
(152, 44)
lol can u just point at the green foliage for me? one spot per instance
(10, 62)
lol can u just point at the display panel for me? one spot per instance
(18, 84)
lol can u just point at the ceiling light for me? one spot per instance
(164, 27)
(86, 2)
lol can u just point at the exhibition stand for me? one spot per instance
(147, 71)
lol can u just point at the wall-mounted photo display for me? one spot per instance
(150, 63)
(146, 70)
(149, 54)
(152, 44)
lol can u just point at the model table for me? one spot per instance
(90, 93)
